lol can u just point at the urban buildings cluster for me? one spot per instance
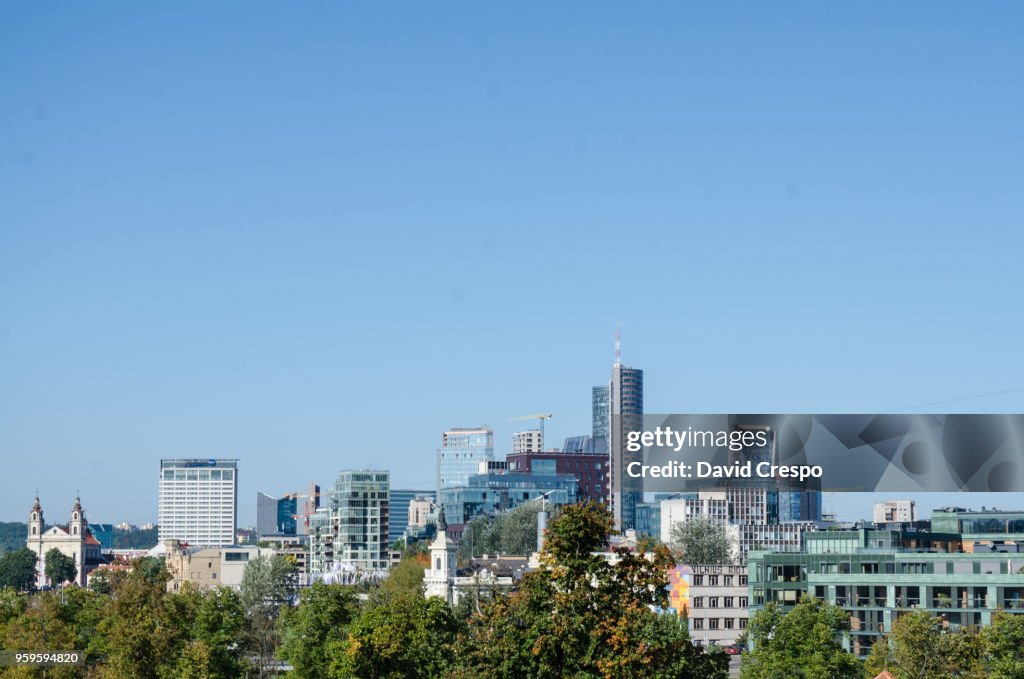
(962, 565)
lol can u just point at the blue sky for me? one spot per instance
(315, 237)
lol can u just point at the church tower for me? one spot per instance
(438, 579)
(35, 521)
(78, 525)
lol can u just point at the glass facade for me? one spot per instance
(488, 494)
(398, 511)
(600, 414)
(626, 408)
(460, 455)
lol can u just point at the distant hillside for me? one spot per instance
(12, 536)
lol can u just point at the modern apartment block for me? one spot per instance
(351, 531)
(877, 575)
(626, 414)
(199, 501)
(461, 452)
(529, 441)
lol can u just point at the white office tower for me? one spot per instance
(199, 501)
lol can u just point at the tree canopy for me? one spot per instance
(701, 541)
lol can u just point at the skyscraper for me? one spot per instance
(398, 511)
(599, 414)
(461, 452)
(626, 409)
(199, 501)
(352, 530)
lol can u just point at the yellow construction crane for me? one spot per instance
(536, 416)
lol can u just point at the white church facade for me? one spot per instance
(73, 540)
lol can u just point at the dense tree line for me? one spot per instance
(807, 642)
(578, 616)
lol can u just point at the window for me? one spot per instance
(743, 581)
(713, 623)
(698, 602)
(712, 581)
(728, 623)
(236, 556)
(727, 580)
(743, 623)
(713, 602)
(698, 623)
(728, 602)
(698, 580)
(743, 602)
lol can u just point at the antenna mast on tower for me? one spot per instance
(618, 344)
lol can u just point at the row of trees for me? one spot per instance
(806, 642)
(18, 569)
(578, 616)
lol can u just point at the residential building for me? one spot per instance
(199, 501)
(626, 408)
(878, 575)
(460, 453)
(895, 511)
(714, 599)
(529, 441)
(351, 532)
(590, 470)
(73, 539)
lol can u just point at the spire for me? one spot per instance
(78, 505)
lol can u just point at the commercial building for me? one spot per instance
(600, 416)
(351, 532)
(276, 516)
(895, 511)
(589, 469)
(399, 516)
(714, 599)
(461, 451)
(750, 516)
(496, 491)
(626, 408)
(199, 501)
(877, 575)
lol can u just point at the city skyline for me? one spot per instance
(227, 250)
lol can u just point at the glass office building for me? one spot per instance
(398, 511)
(488, 494)
(460, 455)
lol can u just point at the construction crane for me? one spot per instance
(536, 416)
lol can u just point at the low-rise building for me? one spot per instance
(207, 567)
(714, 599)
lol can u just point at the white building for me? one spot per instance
(73, 540)
(530, 441)
(743, 513)
(199, 501)
(718, 609)
(896, 511)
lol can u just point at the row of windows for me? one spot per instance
(198, 475)
(713, 580)
(714, 601)
(720, 623)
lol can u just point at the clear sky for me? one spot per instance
(315, 236)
